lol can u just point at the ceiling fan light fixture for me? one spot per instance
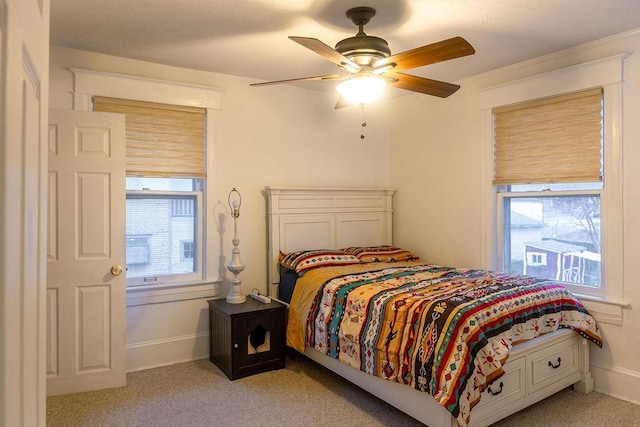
(371, 66)
(361, 89)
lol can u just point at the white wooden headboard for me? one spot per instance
(325, 218)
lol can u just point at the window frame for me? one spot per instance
(608, 74)
(89, 83)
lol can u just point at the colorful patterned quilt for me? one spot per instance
(446, 331)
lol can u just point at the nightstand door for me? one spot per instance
(257, 341)
(220, 339)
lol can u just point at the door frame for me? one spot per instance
(24, 71)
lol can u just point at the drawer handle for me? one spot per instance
(495, 393)
(551, 365)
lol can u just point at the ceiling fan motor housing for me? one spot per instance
(363, 49)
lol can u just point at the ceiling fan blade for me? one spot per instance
(342, 103)
(422, 85)
(327, 52)
(303, 79)
(444, 50)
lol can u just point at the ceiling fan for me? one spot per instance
(368, 61)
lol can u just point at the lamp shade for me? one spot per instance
(361, 89)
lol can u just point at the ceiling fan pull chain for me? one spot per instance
(364, 123)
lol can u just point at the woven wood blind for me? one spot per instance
(549, 140)
(162, 140)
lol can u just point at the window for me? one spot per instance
(536, 259)
(553, 235)
(575, 218)
(188, 250)
(169, 213)
(138, 251)
(166, 177)
(600, 188)
(87, 84)
(548, 175)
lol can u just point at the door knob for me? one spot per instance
(116, 270)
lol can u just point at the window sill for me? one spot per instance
(154, 294)
(603, 310)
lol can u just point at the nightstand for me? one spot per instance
(247, 338)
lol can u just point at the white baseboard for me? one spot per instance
(617, 382)
(167, 351)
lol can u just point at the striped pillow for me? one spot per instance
(381, 254)
(303, 261)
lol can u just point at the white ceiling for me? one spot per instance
(249, 37)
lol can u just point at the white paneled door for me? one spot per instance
(86, 325)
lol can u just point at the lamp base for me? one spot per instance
(236, 299)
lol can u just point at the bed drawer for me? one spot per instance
(553, 364)
(508, 389)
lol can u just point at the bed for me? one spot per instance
(492, 385)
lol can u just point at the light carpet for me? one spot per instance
(303, 394)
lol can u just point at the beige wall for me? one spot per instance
(278, 136)
(437, 167)
(430, 149)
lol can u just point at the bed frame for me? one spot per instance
(328, 218)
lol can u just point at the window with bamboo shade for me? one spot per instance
(553, 144)
(554, 177)
(166, 174)
(551, 140)
(162, 140)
